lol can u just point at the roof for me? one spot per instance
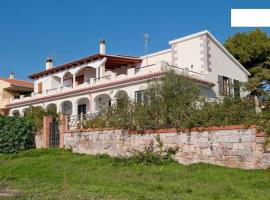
(216, 42)
(112, 61)
(18, 83)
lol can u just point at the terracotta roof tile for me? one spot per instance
(20, 83)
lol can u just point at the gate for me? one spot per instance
(54, 136)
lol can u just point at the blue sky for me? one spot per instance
(32, 30)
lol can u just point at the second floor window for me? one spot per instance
(228, 86)
(39, 88)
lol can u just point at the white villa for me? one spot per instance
(90, 84)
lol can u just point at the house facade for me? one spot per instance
(91, 84)
(11, 88)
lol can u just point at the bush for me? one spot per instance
(229, 111)
(16, 134)
(174, 101)
(150, 155)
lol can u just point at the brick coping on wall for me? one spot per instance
(259, 133)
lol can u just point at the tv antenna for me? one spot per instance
(146, 42)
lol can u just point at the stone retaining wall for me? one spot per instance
(226, 146)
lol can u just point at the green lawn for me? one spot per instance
(59, 174)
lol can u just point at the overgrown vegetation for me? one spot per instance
(59, 174)
(175, 102)
(16, 134)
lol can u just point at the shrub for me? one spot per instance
(174, 101)
(229, 111)
(150, 155)
(16, 134)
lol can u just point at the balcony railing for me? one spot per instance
(110, 75)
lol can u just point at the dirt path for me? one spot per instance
(5, 191)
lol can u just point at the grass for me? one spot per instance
(60, 174)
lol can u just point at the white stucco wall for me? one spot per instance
(188, 54)
(222, 64)
(154, 58)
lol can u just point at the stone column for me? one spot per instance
(97, 73)
(62, 82)
(46, 130)
(74, 80)
(62, 129)
(102, 70)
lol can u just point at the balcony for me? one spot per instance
(69, 85)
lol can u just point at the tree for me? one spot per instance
(252, 50)
(172, 101)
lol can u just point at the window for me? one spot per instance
(224, 85)
(139, 96)
(39, 88)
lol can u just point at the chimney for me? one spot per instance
(11, 75)
(102, 47)
(49, 63)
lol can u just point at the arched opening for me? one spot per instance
(121, 94)
(66, 108)
(102, 102)
(67, 80)
(83, 106)
(85, 74)
(51, 108)
(15, 113)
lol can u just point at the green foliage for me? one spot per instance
(252, 50)
(36, 114)
(16, 134)
(152, 154)
(229, 111)
(174, 101)
(170, 102)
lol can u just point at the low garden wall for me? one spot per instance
(231, 146)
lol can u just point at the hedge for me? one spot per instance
(16, 134)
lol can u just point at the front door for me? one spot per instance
(82, 109)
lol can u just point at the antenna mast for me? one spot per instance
(146, 42)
